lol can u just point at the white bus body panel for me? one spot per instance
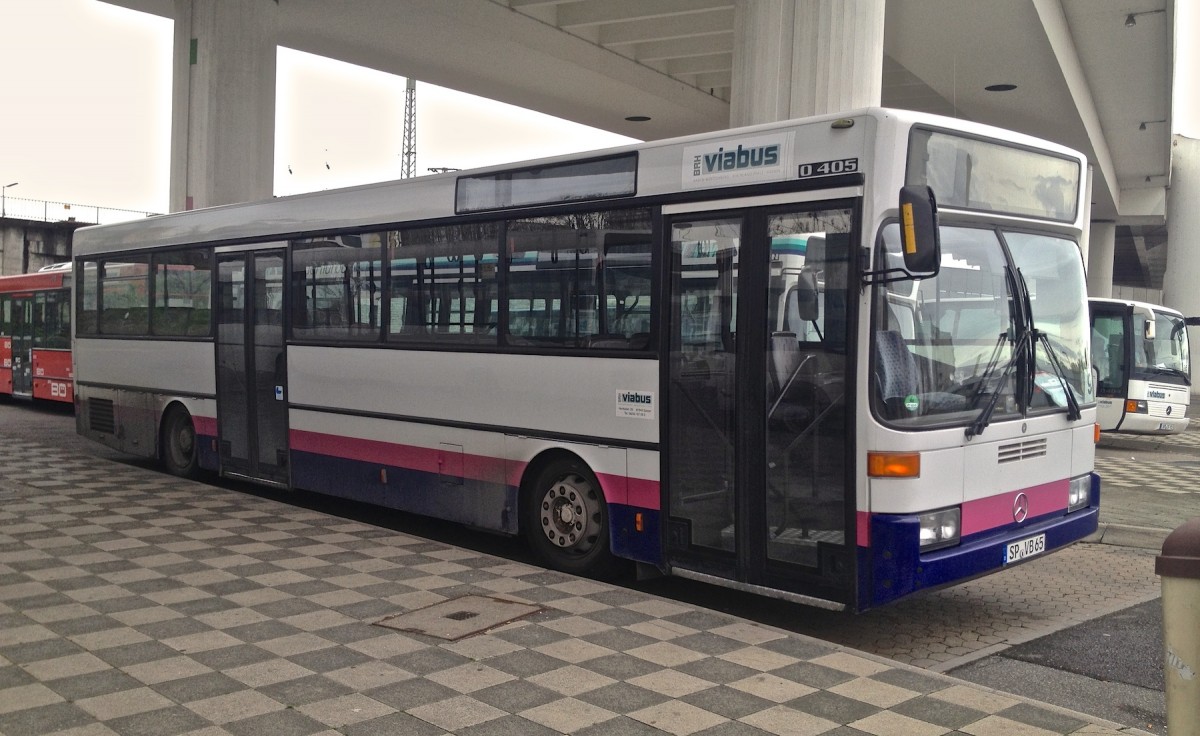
(1002, 460)
(1166, 405)
(546, 394)
(141, 378)
(170, 367)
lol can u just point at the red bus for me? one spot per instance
(35, 335)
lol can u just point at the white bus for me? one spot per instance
(728, 357)
(1143, 366)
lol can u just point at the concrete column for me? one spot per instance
(223, 102)
(794, 58)
(1102, 245)
(1183, 244)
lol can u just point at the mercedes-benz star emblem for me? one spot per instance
(1020, 507)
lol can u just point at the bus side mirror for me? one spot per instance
(919, 237)
(1178, 328)
(1148, 329)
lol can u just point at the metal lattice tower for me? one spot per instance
(409, 144)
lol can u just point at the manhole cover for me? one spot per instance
(459, 617)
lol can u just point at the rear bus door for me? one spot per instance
(252, 419)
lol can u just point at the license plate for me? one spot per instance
(1025, 548)
(1165, 426)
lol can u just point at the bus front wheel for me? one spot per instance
(179, 443)
(566, 520)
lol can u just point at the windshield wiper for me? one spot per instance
(1073, 412)
(989, 369)
(1037, 336)
(985, 416)
(1165, 371)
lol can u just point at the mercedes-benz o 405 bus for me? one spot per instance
(1143, 366)
(835, 360)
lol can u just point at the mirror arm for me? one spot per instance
(886, 276)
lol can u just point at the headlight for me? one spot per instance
(1080, 494)
(1133, 406)
(940, 528)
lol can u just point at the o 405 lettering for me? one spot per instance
(829, 168)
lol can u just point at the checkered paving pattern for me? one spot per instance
(132, 602)
(1147, 472)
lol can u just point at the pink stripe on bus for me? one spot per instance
(617, 488)
(205, 425)
(630, 491)
(424, 459)
(644, 493)
(996, 511)
(863, 521)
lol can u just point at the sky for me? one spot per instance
(85, 116)
(86, 112)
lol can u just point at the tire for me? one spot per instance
(179, 454)
(566, 520)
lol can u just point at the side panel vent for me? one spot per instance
(1015, 452)
(100, 416)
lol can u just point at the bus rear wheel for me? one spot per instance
(566, 520)
(179, 443)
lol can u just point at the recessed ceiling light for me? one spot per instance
(1000, 87)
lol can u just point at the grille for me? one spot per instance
(1015, 452)
(100, 416)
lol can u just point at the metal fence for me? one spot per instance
(42, 211)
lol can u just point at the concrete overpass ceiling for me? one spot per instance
(488, 49)
(1083, 78)
(1130, 70)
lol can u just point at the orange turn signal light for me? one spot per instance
(894, 464)
(1131, 405)
(638, 523)
(1096, 433)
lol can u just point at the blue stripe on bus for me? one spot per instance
(474, 502)
(206, 452)
(644, 546)
(477, 503)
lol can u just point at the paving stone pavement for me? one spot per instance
(1149, 486)
(132, 602)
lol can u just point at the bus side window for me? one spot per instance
(337, 287)
(125, 296)
(580, 281)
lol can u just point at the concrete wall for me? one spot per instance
(26, 245)
(1137, 294)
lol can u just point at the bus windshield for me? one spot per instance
(1164, 355)
(1052, 269)
(944, 346)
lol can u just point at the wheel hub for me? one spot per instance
(566, 512)
(187, 439)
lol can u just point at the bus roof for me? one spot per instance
(433, 197)
(1133, 303)
(37, 281)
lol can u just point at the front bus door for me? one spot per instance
(252, 420)
(758, 437)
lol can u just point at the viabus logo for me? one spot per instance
(633, 397)
(737, 159)
(1156, 394)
